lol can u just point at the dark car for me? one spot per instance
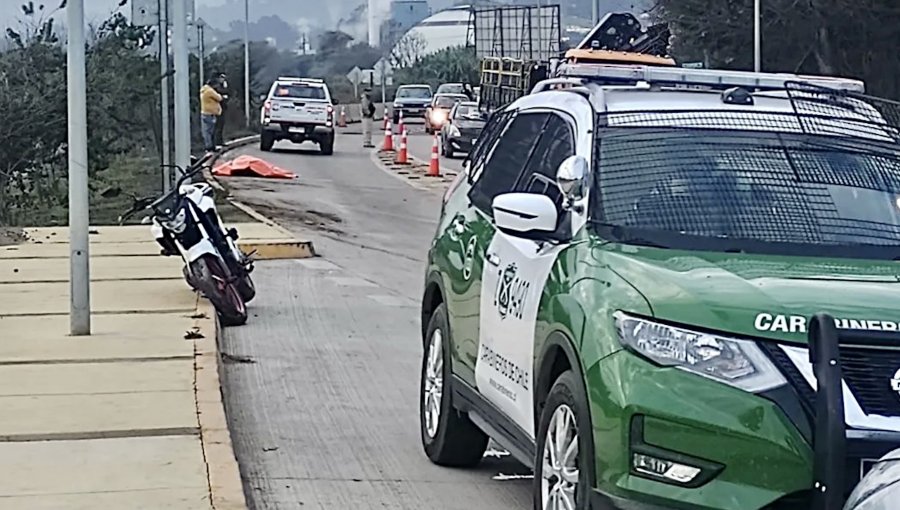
(437, 113)
(412, 100)
(462, 128)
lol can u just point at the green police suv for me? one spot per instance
(621, 283)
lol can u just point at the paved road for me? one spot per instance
(322, 384)
(420, 147)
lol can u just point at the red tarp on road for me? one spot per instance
(249, 165)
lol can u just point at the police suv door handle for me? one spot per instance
(492, 258)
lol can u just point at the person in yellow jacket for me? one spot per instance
(210, 110)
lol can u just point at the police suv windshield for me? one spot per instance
(748, 191)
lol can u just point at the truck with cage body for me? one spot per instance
(521, 46)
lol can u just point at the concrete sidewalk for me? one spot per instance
(130, 417)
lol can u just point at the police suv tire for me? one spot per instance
(266, 142)
(448, 151)
(457, 441)
(567, 390)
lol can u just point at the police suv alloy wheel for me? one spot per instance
(563, 472)
(448, 436)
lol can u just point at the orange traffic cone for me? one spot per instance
(342, 121)
(400, 128)
(388, 138)
(384, 120)
(434, 170)
(402, 156)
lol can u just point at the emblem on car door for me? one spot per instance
(509, 297)
(895, 382)
(469, 257)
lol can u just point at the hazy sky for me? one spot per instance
(94, 10)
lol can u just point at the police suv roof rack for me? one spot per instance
(570, 84)
(702, 77)
(295, 78)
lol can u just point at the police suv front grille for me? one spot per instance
(867, 372)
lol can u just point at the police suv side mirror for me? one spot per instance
(525, 213)
(571, 176)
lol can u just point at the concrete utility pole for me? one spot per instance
(79, 217)
(182, 85)
(247, 61)
(373, 30)
(757, 37)
(164, 92)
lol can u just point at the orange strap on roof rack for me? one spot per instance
(582, 56)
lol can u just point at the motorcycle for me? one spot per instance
(185, 222)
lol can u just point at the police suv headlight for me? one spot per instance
(739, 363)
(454, 131)
(177, 224)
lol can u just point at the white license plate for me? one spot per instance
(296, 130)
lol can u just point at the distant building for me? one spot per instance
(445, 29)
(404, 15)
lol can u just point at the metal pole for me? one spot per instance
(595, 12)
(201, 61)
(182, 85)
(164, 92)
(79, 217)
(202, 56)
(757, 37)
(247, 61)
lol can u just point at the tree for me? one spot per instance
(843, 37)
(450, 65)
(408, 51)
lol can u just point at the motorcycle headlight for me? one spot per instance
(177, 224)
(739, 363)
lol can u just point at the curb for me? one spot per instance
(414, 173)
(290, 248)
(226, 490)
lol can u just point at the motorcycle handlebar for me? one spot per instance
(142, 203)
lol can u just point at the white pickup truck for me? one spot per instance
(298, 109)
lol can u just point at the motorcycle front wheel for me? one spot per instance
(212, 281)
(246, 288)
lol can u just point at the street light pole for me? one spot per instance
(757, 37)
(79, 216)
(182, 85)
(201, 59)
(164, 92)
(247, 61)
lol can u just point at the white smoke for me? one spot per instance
(356, 23)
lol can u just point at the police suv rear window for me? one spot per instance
(299, 91)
